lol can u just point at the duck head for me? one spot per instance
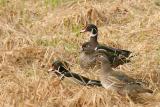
(92, 29)
(101, 57)
(87, 47)
(58, 66)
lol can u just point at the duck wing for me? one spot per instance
(114, 51)
(118, 79)
(116, 56)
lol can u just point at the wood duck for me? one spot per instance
(119, 81)
(117, 56)
(60, 69)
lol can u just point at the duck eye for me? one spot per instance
(88, 45)
(99, 56)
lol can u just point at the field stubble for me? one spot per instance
(33, 33)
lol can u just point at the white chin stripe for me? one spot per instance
(51, 69)
(99, 49)
(93, 35)
(95, 48)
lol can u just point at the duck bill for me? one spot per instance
(51, 69)
(82, 31)
(81, 50)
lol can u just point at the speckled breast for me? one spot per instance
(87, 60)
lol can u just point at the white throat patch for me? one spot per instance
(93, 35)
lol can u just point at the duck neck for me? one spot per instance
(106, 67)
(93, 38)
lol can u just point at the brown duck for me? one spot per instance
(119, 81)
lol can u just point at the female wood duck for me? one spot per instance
(61, 69)
(117, 56)
(119, 81)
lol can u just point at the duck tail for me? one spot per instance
(149, 91)
(129, 54)
(144, 90)
(126, 53)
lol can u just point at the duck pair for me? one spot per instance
(87, 56)
(108, 58)
(109, 78)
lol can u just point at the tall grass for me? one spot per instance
(54, 3)
(2, 2)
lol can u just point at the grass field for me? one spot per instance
(33, 33)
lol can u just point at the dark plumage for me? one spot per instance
(116, 56)
(60, 69)
(114, 51)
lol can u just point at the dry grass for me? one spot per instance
(34, 32)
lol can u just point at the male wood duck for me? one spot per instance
(61, 68)
(116, 56)
(119, 81)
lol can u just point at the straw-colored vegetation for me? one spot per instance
(35, 32)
